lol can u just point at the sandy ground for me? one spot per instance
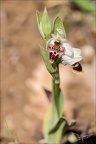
(23, 74)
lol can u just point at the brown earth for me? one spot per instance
(23, 74)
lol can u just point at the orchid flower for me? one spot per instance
(58, 46)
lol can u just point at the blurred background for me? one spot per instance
(24, 76)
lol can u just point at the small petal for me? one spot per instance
(68, 49)
(69, 60)
(77, 51)
(50, 41)
(53, 36)
(64, 40)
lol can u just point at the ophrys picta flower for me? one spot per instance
(58, 46)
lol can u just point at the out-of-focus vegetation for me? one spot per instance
(85, 5)
(23, 101)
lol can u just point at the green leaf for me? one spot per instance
(58, 124)
(54, 129)
(51, 68)
(85, 5)
(67, 124)
(58, 24)
(51, 120)
(46, 25)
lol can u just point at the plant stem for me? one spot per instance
(56, 93)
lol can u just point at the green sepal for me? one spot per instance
(39, 23)
(52, 68)
(46, 25)
(39, 18)
(58, 23)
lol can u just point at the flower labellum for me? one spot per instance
(58, 46)
(55, 49)
(77, 68)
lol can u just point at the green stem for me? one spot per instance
(56, 94)
(54, 115)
